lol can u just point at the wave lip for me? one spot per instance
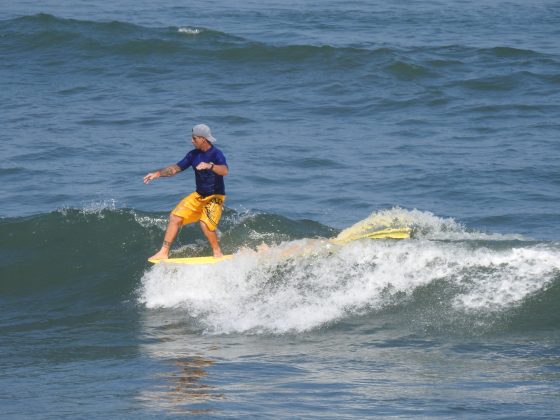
(189, 31)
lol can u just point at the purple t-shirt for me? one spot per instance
(207, 181)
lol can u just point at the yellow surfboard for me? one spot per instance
(398, 233)
(390, 233)
(193, 260)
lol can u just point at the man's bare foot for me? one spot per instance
(160, 255)
(218, 254)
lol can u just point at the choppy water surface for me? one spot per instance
(441, 116)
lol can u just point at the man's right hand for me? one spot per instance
(169, 171)
(151, 176)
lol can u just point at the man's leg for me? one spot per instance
(173, 228)
(212, 238)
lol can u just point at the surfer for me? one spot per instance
(206, 203)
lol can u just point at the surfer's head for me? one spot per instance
(202, 130)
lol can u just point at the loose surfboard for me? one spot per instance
(193, 260)
(390, 233)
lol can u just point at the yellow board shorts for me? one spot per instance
(194, 207)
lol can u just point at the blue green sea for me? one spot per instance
(438, 115)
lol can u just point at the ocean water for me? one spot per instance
(437, 115)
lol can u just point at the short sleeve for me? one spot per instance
(186, 161)
(219, 158)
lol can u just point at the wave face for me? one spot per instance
(102, 250)
(286, 276)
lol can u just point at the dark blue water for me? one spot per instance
(441, 116)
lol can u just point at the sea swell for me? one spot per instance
(110, 62)
(103, 63)
(48, 33)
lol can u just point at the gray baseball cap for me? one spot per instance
(202, 130)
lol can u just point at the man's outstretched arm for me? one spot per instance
(168, 171)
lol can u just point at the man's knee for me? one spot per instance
(176, 220)
(205, 228)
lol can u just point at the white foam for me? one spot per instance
(321, 283)
(96, 207)
(507, 277)
(425, 225)
(189, 31)
(93, 207)
(150, 221)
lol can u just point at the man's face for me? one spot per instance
(198, 141)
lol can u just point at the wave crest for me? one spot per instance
(305, 284)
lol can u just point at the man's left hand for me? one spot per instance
(204, 165)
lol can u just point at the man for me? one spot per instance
(206, 203)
